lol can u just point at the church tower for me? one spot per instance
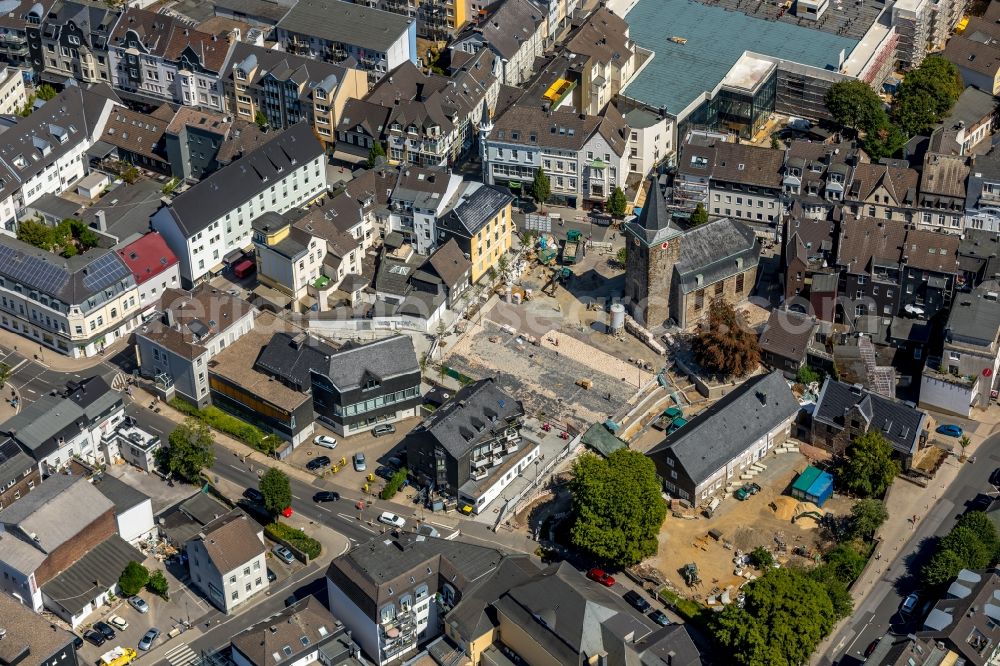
(652, 249)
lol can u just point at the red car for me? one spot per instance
(601, 577)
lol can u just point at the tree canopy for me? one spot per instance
(785, 615)
(191, 450)
(541, 189)
(374, 153)
(45, 92)
(972, 544)
(867, 469)
(617, 507)
(277, 491)
(158, 585)
(699, 216)
(723, 345)
(617, 203)
(133, 578)
(854, 104)
(926, 95)
(867, 515)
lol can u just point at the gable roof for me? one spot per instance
(715, 251)
(729, 426)
(289, 634)
(76, 586)
(931, 251)
(900, 182)
(292, 356)
(346, 23)
(449, 263)
(787, 334)
(164, 36)
(147, 257)
(231, 541)
(476, 206)
(898, 423)
(56, 511)
(123, 496)
(866, 240)
(349, 366)
(510, 26)
(189, 309)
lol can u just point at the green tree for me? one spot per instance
(723, 345)
(807, 375)
(617, 507)
(943, 566)
(761, 558)
(845, 562)
(5, 374)
(965, 542)
(503, 268)
(926, 95)
(854, 104)
(191, 450)
(785, 616)
(964, 442)
(699, 216)
(883, 141)
(867, 515)
(34, 232)
(375, 153)
(867, 468)
(260, 119)
(541, 189)
(981, 525)
(621, 256)
(158, 585)
(840, 596)
(617, 204)
(45, 92)
(277, 491)
(133, 578)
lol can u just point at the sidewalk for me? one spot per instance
(52, 359)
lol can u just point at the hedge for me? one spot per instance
(239, 429)
(294, 537)
(686, 608)
(394, 484)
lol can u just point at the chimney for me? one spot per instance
(670, 658)
(101, 220)
(168, 318)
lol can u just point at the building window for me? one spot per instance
(699, 299)
(739, 283)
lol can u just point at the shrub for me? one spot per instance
(761, 558)
(157, 584)
(686, 608)
(394, 484)
(295, 538)
(236, 428)
(133, 578)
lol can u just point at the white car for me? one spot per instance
(391, 519)
(325, 441)
(118, 622)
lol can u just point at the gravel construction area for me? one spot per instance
(543, 377)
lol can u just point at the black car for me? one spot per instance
(326, 496)
(995, 477)
(317, 463)
(77, 642)
(105, 630)
(384, 472)
(253, 495)
(270, 576)
(637, 601)
(660, 618)
(981, 503)
(94, 637)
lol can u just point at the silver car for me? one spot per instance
(139, 604)
(148, 638)
(360, 464)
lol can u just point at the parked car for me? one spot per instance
(118, 622)
(318, 463)
(360, 464)
(326, 496)
(637, 601)
(148, 638)
(427, 530)
(139, 604)
(384, 472)
(909, 603)
(995, 477)
(77, 642)
(283, 554)
(384, 429)
(95, 637)
(270, 576)
(660, 618)
(390, 518)
(325, 441)
(745, 491)
(949, 429)
(105, 629)
(253, 495)
(981, 503)
(601, 576)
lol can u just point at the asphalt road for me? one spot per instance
(880, 611)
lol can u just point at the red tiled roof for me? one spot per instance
(147, 257)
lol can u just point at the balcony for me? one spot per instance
(398, 634)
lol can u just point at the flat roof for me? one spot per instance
(716, 39)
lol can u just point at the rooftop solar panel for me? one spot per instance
(105, 271)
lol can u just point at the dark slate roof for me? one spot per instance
(716, 251)
(75, 587)
(479, 205)
(899, 423)
(292, 356)
(471, 616)
(974, 317)
(120, 493)
(728, 427)
(230, 187)
(127, 208)
(13, 462)
(462, 421)
(586, 619)
(669, 646)
(654, 224)
(346, 23)
(349, 366)
(30, 637)
(449, 263)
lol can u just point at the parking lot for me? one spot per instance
(377, 451)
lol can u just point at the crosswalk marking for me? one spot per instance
(182, 655)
